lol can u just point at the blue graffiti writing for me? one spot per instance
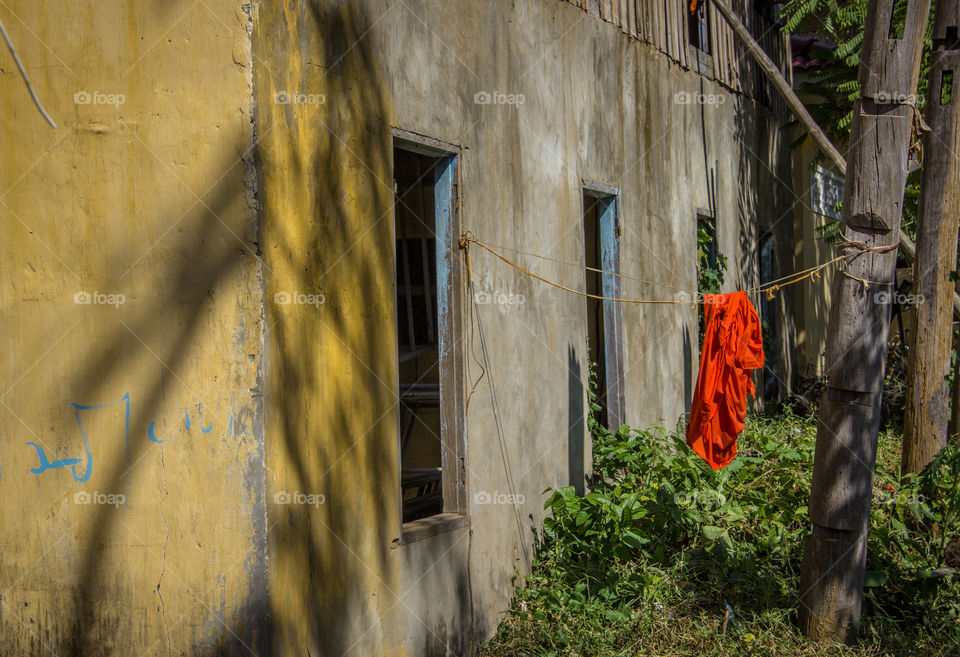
(78, 410)
(152, 436)
(83, 433)
(47, 465)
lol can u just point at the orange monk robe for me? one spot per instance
(732, 346)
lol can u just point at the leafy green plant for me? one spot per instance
(665, 556)
(711, 264)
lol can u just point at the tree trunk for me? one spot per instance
(927, 411)
(831, 581)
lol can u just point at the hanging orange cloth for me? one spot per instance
(732, 346)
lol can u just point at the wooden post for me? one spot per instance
(834, 560)
(927, 411)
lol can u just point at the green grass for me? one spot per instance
(667, 557)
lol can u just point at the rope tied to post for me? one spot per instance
(860, 249)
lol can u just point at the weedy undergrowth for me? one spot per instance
(664, 556)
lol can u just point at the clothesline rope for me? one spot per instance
(768, 288)
(578, 266)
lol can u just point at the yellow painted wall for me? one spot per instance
(327, 231)
(140, 199)
(339, 585)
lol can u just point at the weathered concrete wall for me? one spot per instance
(130, 285)
(596, 106)
(240, 201)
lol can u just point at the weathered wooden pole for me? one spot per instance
(927, 412)
(834, 560)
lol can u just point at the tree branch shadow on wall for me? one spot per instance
(207, 260)
(339, 554)
(321, 543)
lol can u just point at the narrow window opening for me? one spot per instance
(710, 264)
(698, 29)
(596, 344)
(601, 257)
(428, 307)
(417, 329)
(707, 250)
(768, 321)
(946, 87)
(951, 36)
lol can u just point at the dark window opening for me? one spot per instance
(768, 321)
(601, 257)
(593, 259)
(698, 28)
(417, 335)
(946, 87)
(710, 266)
(951, 36)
